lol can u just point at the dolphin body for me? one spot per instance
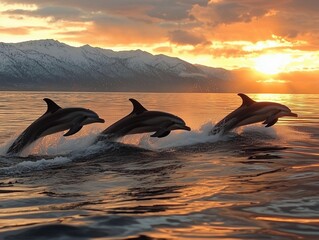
(140, 120)
(55, 119)
(252, 112)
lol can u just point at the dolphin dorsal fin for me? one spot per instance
(247, 101)
(52, 106)
(137, 107)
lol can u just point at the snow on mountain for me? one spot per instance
(52, 65)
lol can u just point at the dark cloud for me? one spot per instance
(161, 9)
(228, 12)
(187, 22)
(174, 10)
(185, 38)
(303, 6)
(56, 13)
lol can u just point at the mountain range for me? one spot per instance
(52, 65)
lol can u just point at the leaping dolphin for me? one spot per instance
(55, 119)
(140, 120)
(252, 112)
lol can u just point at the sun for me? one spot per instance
(272, 63)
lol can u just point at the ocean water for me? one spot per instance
(254, 183)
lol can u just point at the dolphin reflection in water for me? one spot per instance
(55, 119)
(140, 120)
(252, 112)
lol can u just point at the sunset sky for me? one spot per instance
(270, 36)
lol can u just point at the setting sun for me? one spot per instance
(272, 63)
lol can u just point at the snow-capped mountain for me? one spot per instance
(52, 65)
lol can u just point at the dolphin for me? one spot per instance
(252, 112)
(140, 120)
(55, 119)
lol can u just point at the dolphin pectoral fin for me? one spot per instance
(269, 124)
(77, 126)
(52, 106)
(161, 133)
(164, 130)
(271, 120)
(164, 134)
(73, 130)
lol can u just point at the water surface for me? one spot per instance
(255, 183)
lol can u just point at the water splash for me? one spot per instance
(280, 133)
(55, 144)
(60, 150)
(176, 138)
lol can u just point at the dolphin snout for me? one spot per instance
(186, 128)
(100, 120)
(293, 114)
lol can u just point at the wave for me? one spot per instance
(59, 150)
(30, 166)
(283, 134)
(57, 144)
(201, 135)
(175, 138)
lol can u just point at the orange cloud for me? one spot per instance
(115, 33)
(15, 30)
(220, 33)
(163, 49)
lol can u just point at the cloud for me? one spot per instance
(225, 51)
(114, 21)
(243, 19)
(161, 9)
(174, 10)
(15, 30)
(185, 38)
(54, 12)
(25, 30)
(228, 12)
(303, 6)
(163, 49)
(112, 30)
(208, 29)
